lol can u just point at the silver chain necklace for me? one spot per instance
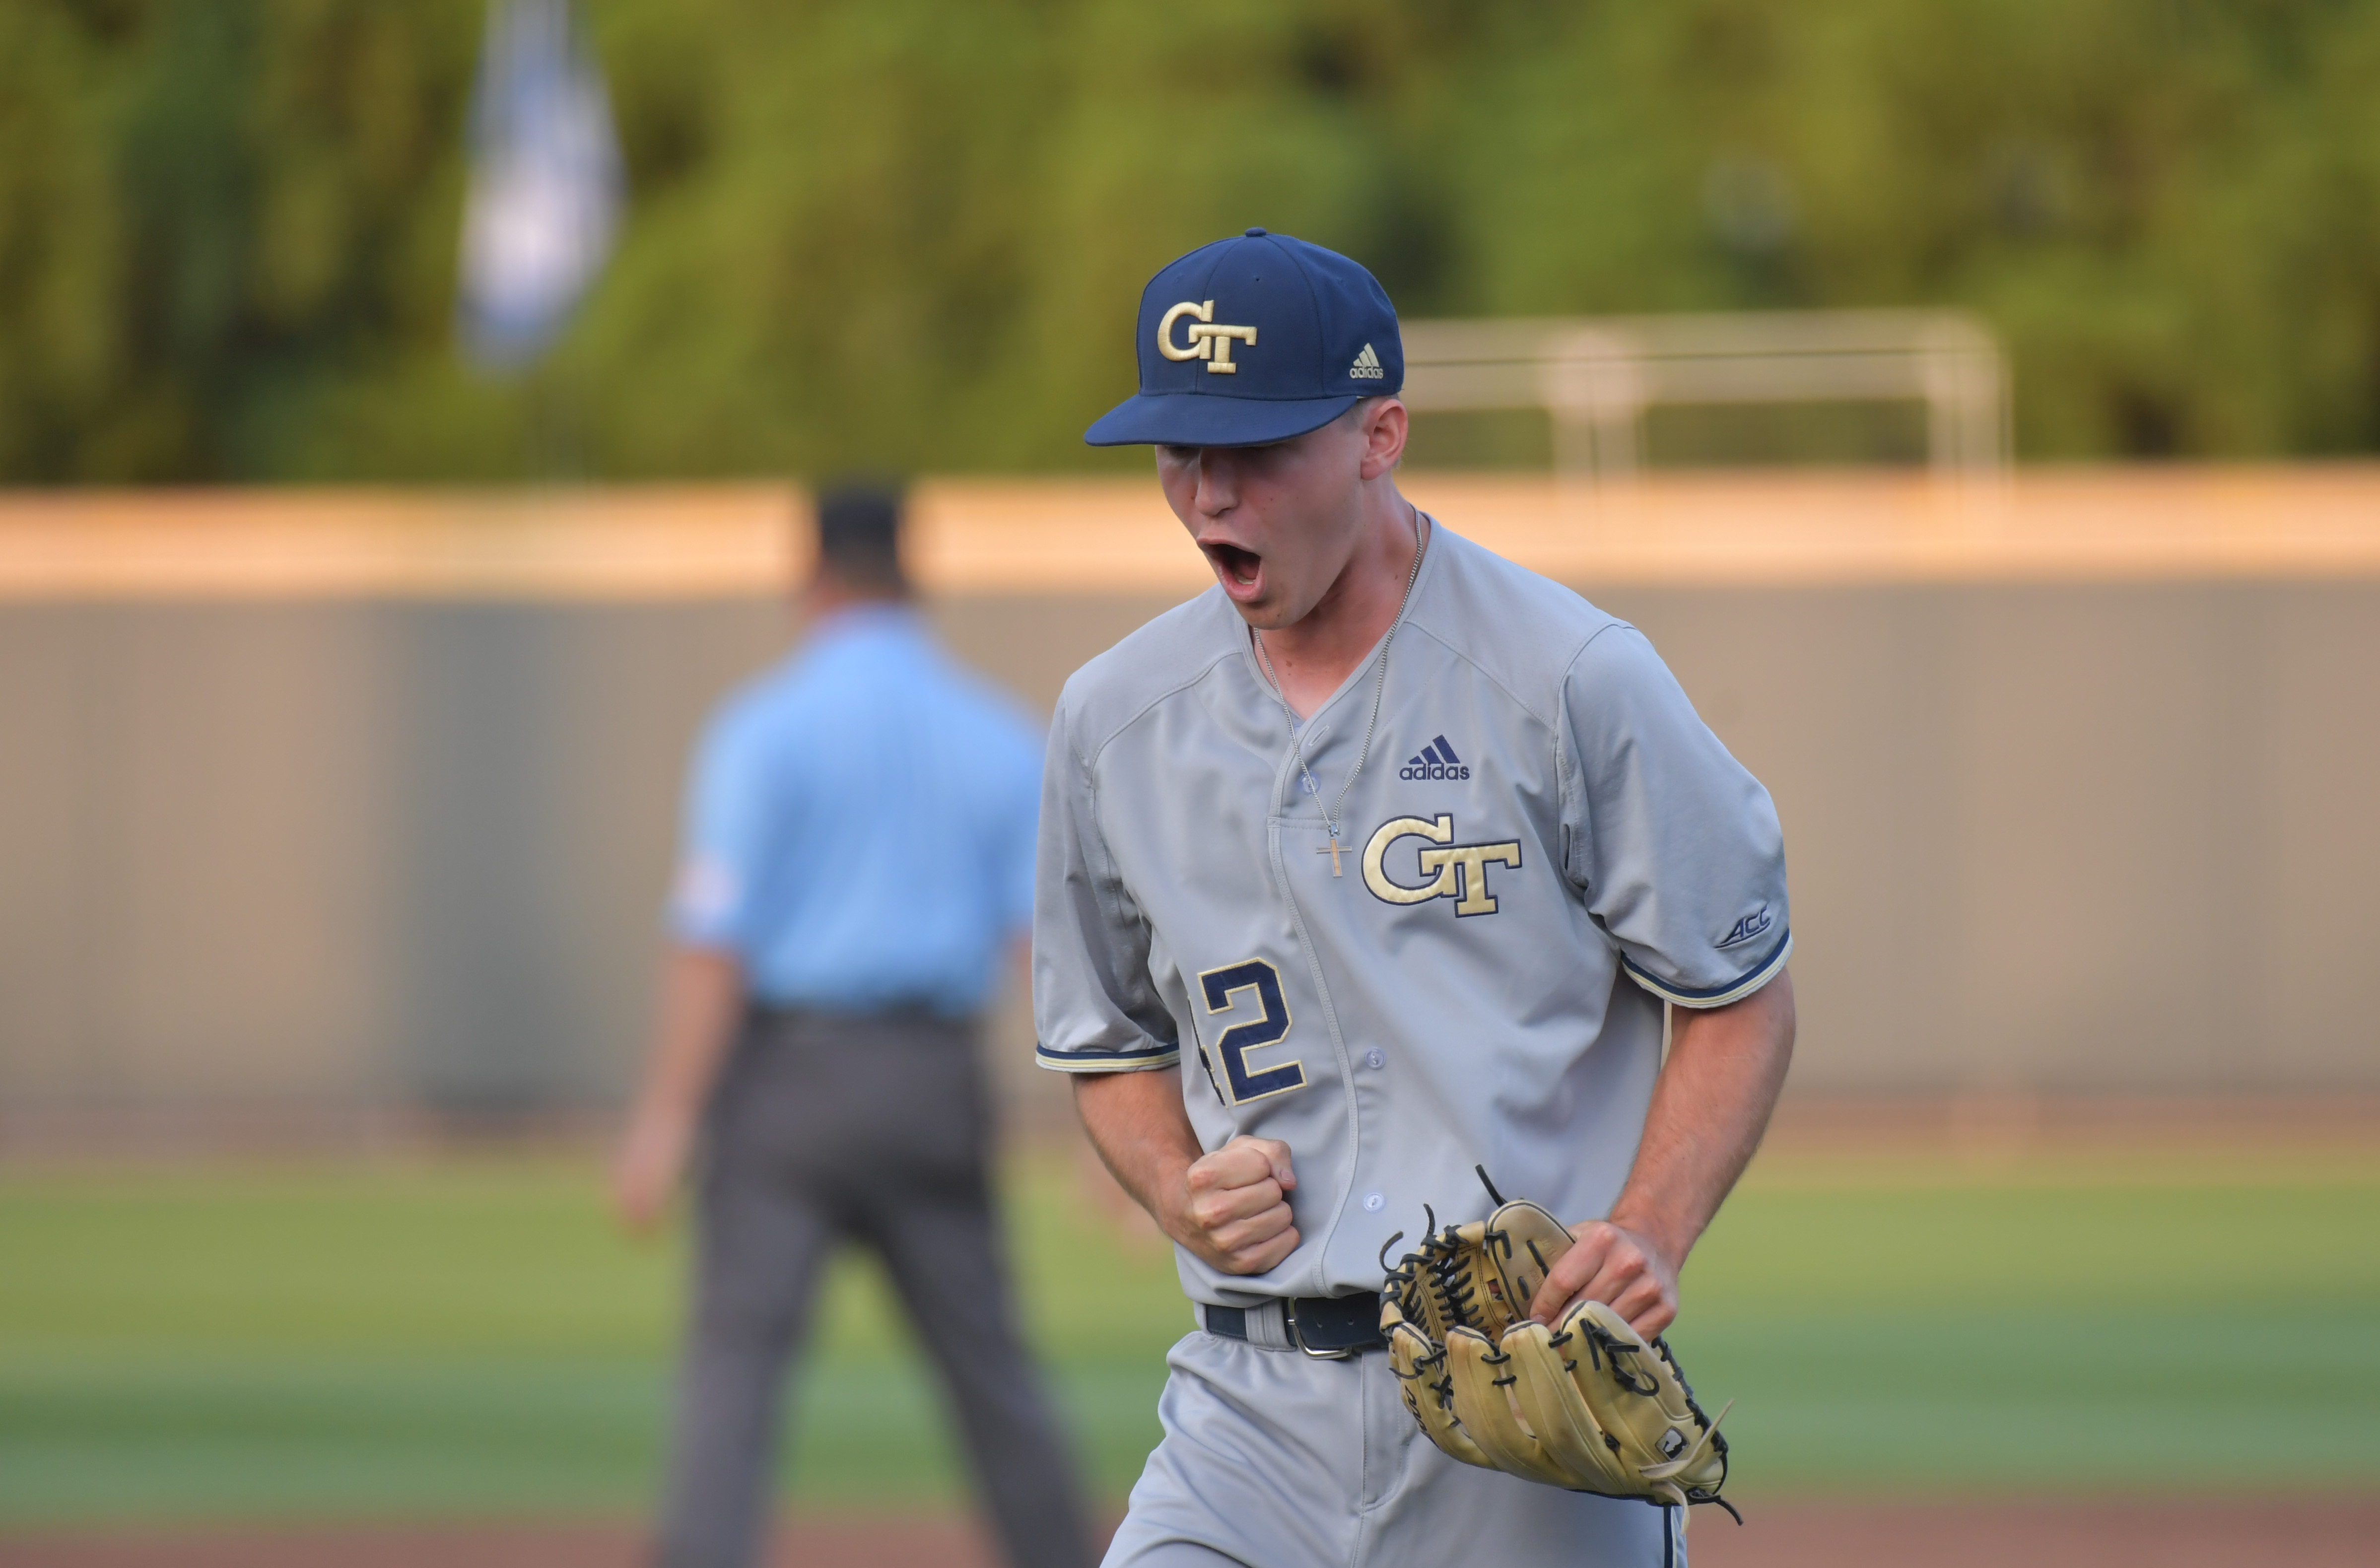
(1379, 686)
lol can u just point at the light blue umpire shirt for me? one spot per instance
(860, 824)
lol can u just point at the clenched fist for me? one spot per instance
(1232, 1206)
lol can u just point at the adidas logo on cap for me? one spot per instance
(1436, 761)
(1366, 366)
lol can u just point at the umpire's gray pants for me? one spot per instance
(876, 1130)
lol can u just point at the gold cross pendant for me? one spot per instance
(1332, 850)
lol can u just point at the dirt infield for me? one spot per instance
(2309, 1533)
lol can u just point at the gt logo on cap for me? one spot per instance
(1208, 342)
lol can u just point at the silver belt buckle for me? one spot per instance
(1297, 1335)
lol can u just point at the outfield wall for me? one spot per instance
(356, 802)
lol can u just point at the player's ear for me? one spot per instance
(1384, 426)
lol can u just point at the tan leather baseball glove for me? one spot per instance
(1587, 1405)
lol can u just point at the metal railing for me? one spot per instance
(1595, 377)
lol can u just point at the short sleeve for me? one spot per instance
(1015, 844)
(722, 843)
(1675, 847)
(1094, 1009)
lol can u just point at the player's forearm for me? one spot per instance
(702, 993)
(1136, 1123)
(1710, 1106)
(1230, 1208)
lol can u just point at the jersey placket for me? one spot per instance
(1287, 788)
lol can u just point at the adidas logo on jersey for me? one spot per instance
(1436, 761)
(1367, 365)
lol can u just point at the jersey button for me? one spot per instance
(1374, 1202)
(1376, 1058)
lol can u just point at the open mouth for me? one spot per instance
(1240, 569)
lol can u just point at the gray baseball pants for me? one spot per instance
(1272, 1459)
(875, 1130)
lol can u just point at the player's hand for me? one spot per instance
(650, 1162)
(1232, 1208)
(1622, 1267)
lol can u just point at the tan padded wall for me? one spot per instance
(334, 851)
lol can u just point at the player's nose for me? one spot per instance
(1219, 483)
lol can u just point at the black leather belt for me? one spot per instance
(1330, 1327)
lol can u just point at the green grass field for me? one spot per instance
(467, 1337)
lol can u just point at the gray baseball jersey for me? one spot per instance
(1545, 844)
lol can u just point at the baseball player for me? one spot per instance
(1381, 859)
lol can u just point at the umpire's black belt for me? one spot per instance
(1328, 1326)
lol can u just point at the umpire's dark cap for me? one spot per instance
(1252, 339)
(859, 530)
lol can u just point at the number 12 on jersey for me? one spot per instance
(1220, 986)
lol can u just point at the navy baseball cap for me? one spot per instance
(1254, 339)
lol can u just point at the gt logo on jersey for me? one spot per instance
(1458, 871)
(1219, 987)
(1206, 341)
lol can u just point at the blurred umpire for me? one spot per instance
(857, 864)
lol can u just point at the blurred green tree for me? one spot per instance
(911, 233)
